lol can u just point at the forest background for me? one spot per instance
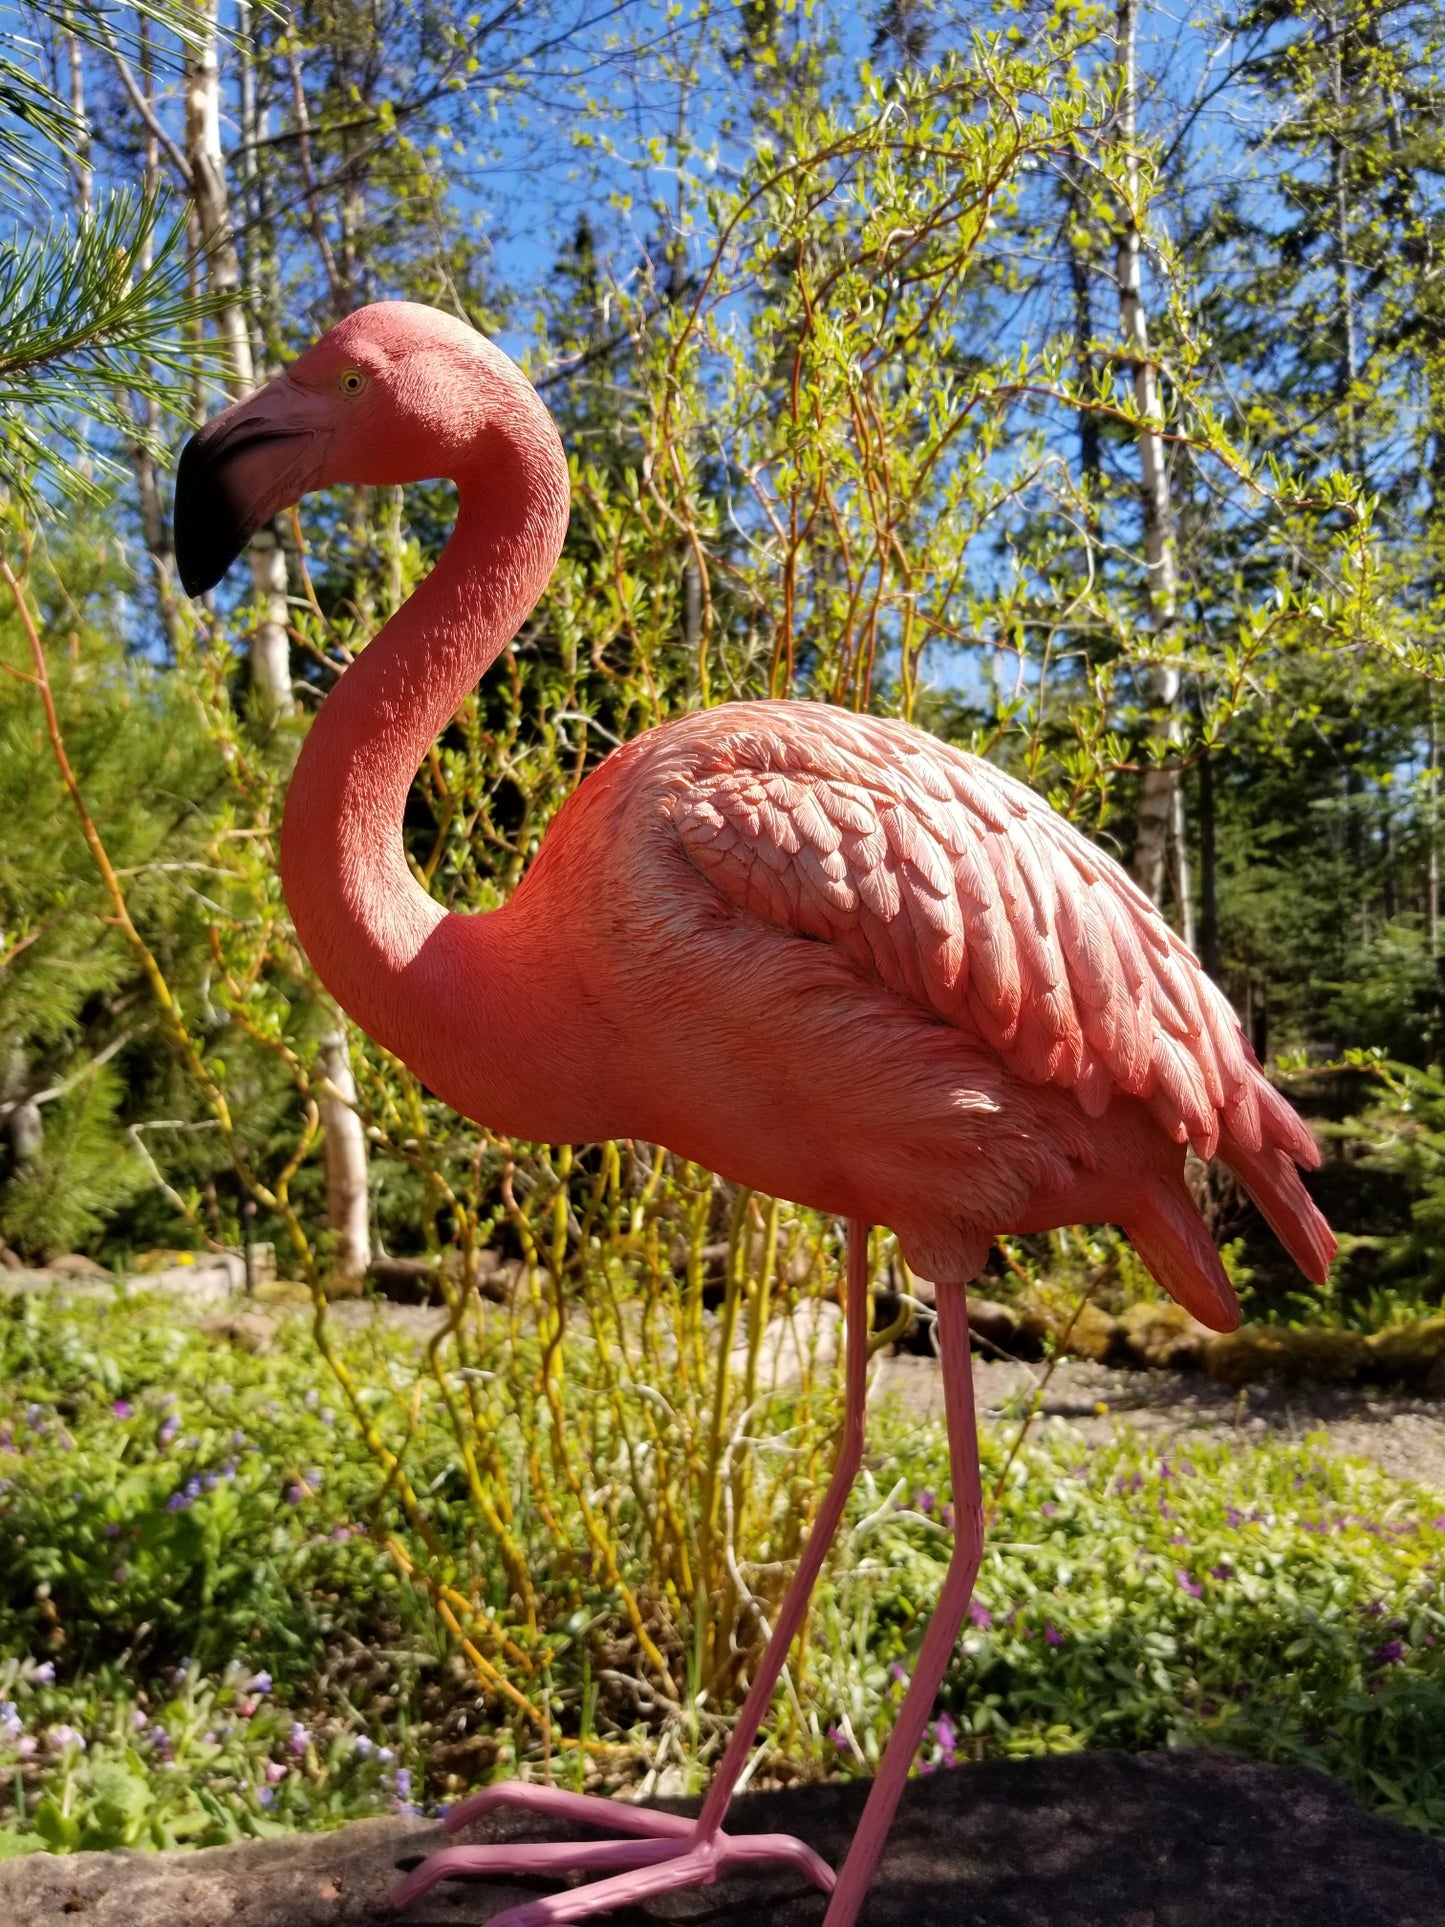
(1069, 381)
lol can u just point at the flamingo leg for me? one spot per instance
(943, 1629)
(677, 1853)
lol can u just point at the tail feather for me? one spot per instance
(1168, 1234)
(1271, 1179)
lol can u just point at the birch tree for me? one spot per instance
(347, 1189)
(1161, 789)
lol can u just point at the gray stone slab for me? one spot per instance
(1084, 1840)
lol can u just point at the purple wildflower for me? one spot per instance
(1188, 1585)
(300, 1737)
(122, 1408)
(44, 1673)
(264, 1796)
(1391, 1653)
(261, 1682)
(275, 1772)
(293, 1495)
(980, 1614)
(1052, 1633)
(363, 1746)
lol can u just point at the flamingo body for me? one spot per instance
(776, 913)
(825, 955)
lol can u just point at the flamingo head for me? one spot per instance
(395, 393)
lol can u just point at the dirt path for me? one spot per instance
(1404, 1435)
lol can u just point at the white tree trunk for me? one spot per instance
(23, 1120)
(207, 166)
(1161, 792)
(270, 644)
(347, 1201)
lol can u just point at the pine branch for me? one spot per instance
(93, 313)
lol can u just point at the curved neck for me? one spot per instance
(361, 917)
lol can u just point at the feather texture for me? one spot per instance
(957, 887)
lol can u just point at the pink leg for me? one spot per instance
(943, 1629)
(825, 1528)
(676, 1852)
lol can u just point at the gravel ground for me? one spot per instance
(1404, 1435)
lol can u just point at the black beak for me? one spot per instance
(219, 505)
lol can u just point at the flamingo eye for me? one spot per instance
(352, 381)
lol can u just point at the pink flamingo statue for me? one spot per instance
(824, 954)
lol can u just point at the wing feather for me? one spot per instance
(959, 888)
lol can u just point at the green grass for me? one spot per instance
(201, 1639)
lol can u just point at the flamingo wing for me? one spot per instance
(956, 886)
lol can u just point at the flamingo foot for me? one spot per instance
(666, 1852)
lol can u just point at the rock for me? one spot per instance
(1163, 1336)
(161, 1259)
(993, 1323)
(1010, 1331)
(1328, 1357)
(1093, 1334)
(1089, 1839)
(1408, 1354)
(807, 1338)
(201, 1277)
(1256, 1352)
(75, 1264)
(248, 1331)
(1244, 1357)
(418, 1281)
